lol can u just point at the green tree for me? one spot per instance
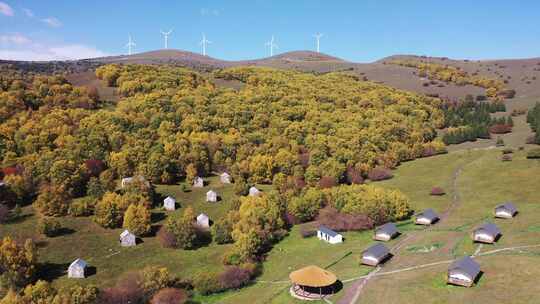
(183, 228)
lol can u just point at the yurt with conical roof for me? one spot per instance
(312, 283)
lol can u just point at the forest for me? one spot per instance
(315, 138)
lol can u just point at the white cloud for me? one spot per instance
(209, 12)
(5, 9)
(28, 12)
(20, 47)
(11, 39)
(52, 22)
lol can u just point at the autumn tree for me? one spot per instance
(18, 263)
(137, 219)
(107, 211)
(52, 201)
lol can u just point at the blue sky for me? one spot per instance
(362, 30)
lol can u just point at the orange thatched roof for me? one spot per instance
(313, 276)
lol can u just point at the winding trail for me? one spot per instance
(352, 294)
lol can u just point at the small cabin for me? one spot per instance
(375, 255)
(386, 232)
(225, 178)
(254, 191)
(211, 196)
(203, 221)
(77, 269)
(426, 217)
(127, 239)
(506, 211)
(329, 235)
(463, 272)
(126, 181)
(198, 182)
(487, 233)
(169, 203)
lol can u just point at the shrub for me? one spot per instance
(499, 142)
(507, 151)
(500, 129)
(127, 290)
(169, 296)
(506, 157)
(153, 279)
(379, 173)
(183, 228)
(166, 238)
(531, 140)
(354, 176)
(533, 153)
(437, 191)
(327, 182)
(331, 218)
(234, 277)
(49, 226)
(307, 232)
(206, 283)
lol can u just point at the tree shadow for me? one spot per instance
(90, 271)
(19, 219)
(64, 231)
(204, 238)
(156, 217)
(51, 271)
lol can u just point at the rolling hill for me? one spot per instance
(520, 74)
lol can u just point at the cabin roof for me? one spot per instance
(328, 231)
(78, 263)
(489, 228)
(507, 206)
(378, 250)
(428, 213)
(169, 198)
(389, 228)
(225, 174)
(466, 265)
(211, 192)
(202, 217)
(125, 233)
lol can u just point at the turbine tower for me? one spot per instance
(129, 45)
(318, 36)
(204, 42)
(272, 45)
(166, 37)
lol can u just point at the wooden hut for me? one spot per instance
(254, 191)
(463, 272)
(203, 221)
(375, 255)
(77, 269)
(211, 196)
(225, 178)
(126, 181)
(312, 283)
(329, 235)
(426, 217)
(127, 239)
(505, 211)
(386, 232)
(488, 233)
(169, 203)
(198, 182)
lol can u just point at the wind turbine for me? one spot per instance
(166, 36)
(204, 42)
(272, 45)
(318, 36)
(130, 44)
